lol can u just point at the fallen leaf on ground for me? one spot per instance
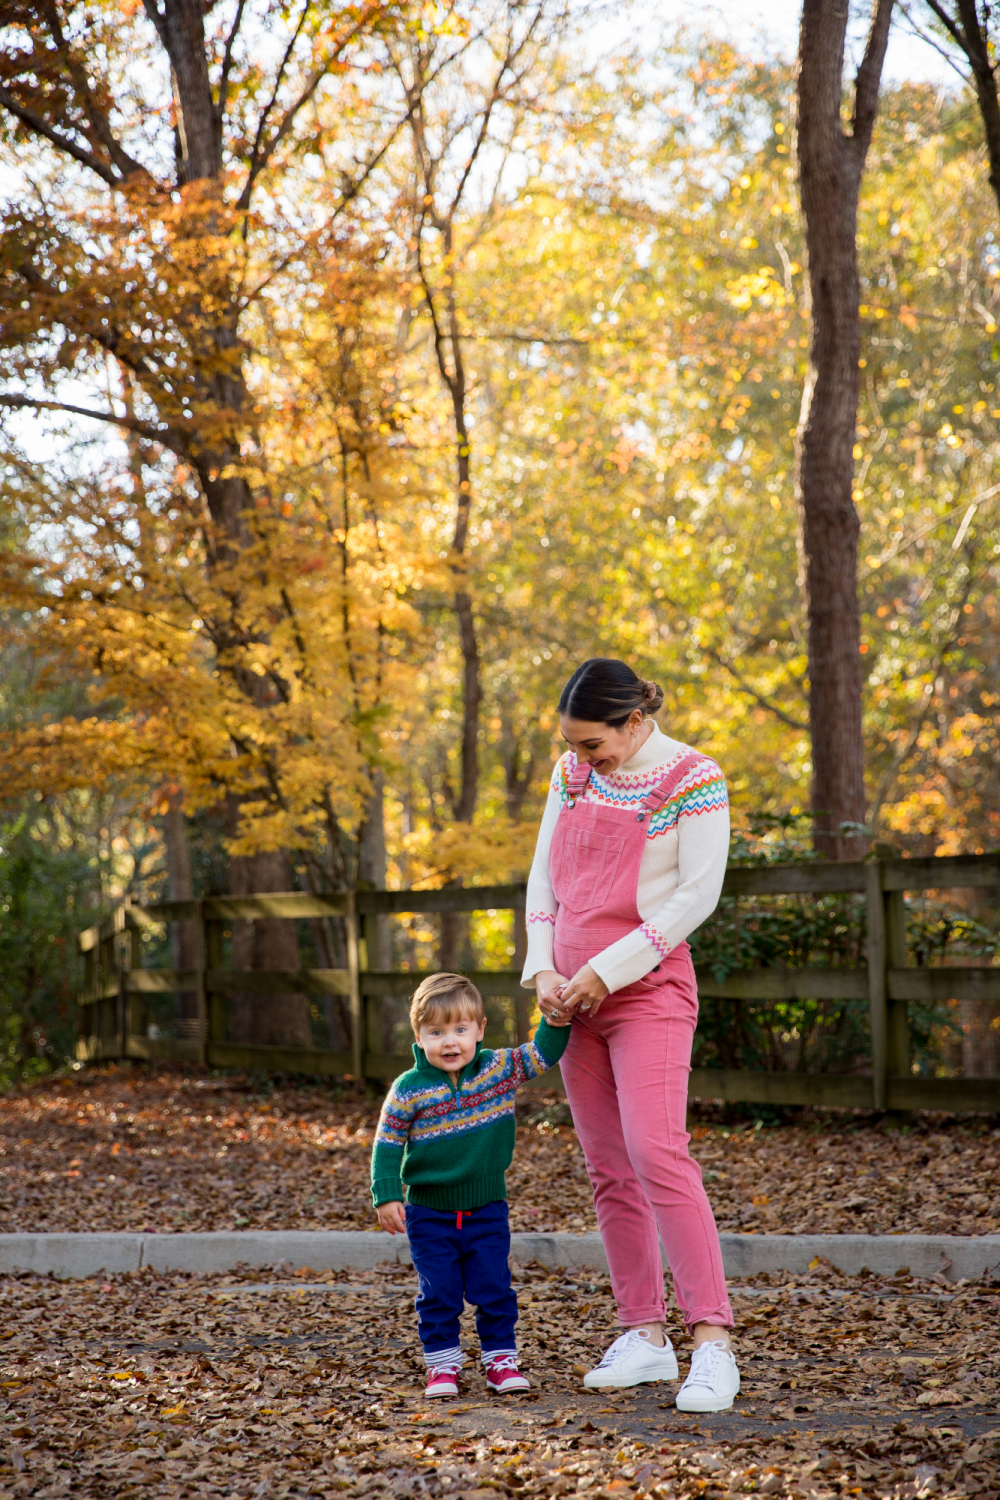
(160, 1149)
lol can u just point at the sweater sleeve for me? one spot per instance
(544, 1050)
(702, 851)
(540, 917)
(387, 1153)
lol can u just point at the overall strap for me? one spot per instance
(654, 800)
(576, 782)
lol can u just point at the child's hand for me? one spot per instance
(558, 1018)
(549, 987)
(392, 1218)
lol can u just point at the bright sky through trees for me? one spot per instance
(753, 25)
(748, 23)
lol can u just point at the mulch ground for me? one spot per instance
(266, 1385)
(137, 1148)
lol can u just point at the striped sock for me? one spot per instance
(452, 1358)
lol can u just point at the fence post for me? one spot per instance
(85, 1015)
(897, 1042)
(877, 994)
(106, 967)
(201, 990)
(354, 992)
(216, 1001)
(97, 1009)
(121, 1018)
(374, 952)
(136, 1005)
(523, 1002)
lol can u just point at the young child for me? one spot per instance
(447, 1132)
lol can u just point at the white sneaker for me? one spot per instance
(632, 1359)
(713, 1382)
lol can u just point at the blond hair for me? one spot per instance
(445, 997)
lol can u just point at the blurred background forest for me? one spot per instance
(478, 354)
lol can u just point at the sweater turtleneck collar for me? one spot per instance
(659, 747)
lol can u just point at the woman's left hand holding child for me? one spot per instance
(586, 991)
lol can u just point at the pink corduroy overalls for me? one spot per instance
(626, 1069)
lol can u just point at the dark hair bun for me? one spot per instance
(605, 691)
(653, 695)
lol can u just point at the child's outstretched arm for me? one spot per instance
(387, 1160)
(543, 1051)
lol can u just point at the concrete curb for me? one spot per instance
(82, 1255)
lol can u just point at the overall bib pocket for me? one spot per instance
(584, 871)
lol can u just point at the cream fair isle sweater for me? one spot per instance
(683, 862)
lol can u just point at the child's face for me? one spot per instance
(449, 1045)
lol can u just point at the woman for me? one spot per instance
(630, 858)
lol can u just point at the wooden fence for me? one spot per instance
(111, 1001)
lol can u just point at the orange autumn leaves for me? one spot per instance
(633, 322)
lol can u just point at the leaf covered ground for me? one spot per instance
(136, 1148)
(264, 1384)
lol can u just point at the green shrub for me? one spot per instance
(815, 931)
(43, 893)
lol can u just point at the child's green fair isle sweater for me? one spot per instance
(451, 1144)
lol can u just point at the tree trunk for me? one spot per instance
(371, 875)
(831, 163)
(448, 342)
(278, 1019)
(518, 782)
(73, 105)
(328, 937)
(371, 870)
(183, 935)
(471, 687)
(180, 25)
(455, 925)
(451, 940)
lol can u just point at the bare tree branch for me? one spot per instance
(971, 35)
(869, 77)
(950, 25)
(931, 41)
(261, 153)
(155, 14)
(227, 62)
(34, 123)
(99, 121)
(256, 153)
(746, 687)
(167, 435)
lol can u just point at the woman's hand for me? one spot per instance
(392, 1217)
(549, 986)
(585, 991)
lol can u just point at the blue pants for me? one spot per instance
(462, 1257)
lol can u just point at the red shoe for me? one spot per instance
(441, 1381)
(503, 1376)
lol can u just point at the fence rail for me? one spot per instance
(110, 1001)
